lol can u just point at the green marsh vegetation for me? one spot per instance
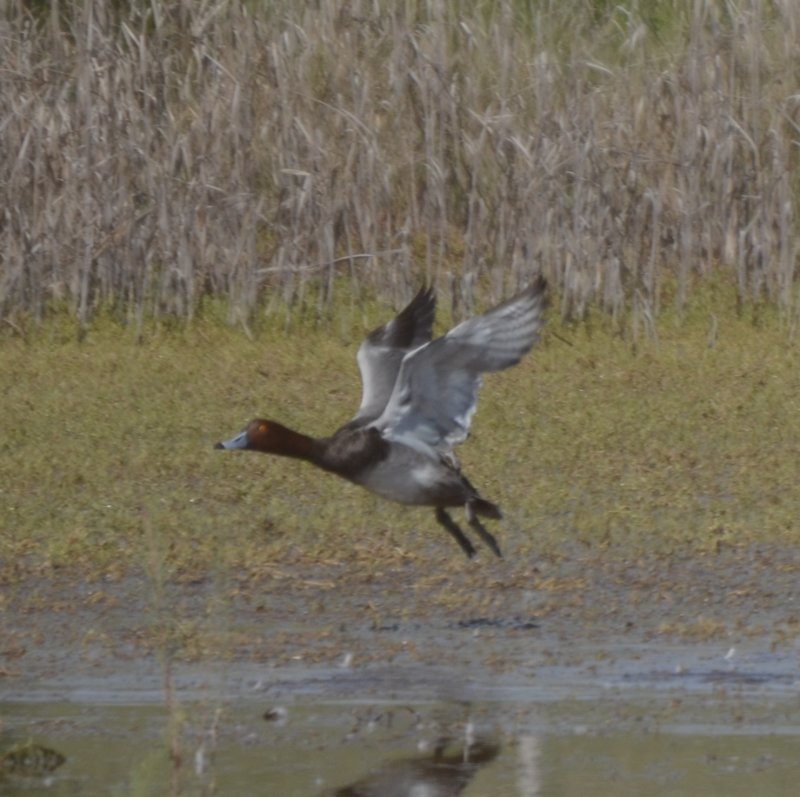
(684, 441)
(208, 204)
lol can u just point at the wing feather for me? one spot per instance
(380, 355)
(436, 392)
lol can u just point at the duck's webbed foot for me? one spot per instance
(452, 527)
(484, 534)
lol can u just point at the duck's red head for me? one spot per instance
(271, 438)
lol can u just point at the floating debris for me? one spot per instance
(515, 623)
(30, 761)
(276, 714)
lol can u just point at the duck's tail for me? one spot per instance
(485, 508)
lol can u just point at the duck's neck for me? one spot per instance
(286, 442)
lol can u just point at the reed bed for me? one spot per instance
(271, 154)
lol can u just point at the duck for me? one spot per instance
(419, 395)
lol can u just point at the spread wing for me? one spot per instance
(380, 355)
(436, 391)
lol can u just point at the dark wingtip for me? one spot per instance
(412, 326)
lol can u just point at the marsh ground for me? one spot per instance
(648, 484)
(662, 673)
(573, 624)
(650, 577)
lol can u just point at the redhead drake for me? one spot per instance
(418, 398)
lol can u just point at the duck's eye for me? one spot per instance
(262, 429)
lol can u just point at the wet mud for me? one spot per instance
(432, 676)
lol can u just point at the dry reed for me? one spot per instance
(157, 153)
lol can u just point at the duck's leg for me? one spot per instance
(452, 527)
(488, 538)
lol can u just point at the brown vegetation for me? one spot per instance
(157, 153)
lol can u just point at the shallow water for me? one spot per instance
(382, 690)
(613, 747)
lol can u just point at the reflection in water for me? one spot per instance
(528, 778)
(439, 775)
(113, 749)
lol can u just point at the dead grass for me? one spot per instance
(158, 153)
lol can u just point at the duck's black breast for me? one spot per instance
(351, 451)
